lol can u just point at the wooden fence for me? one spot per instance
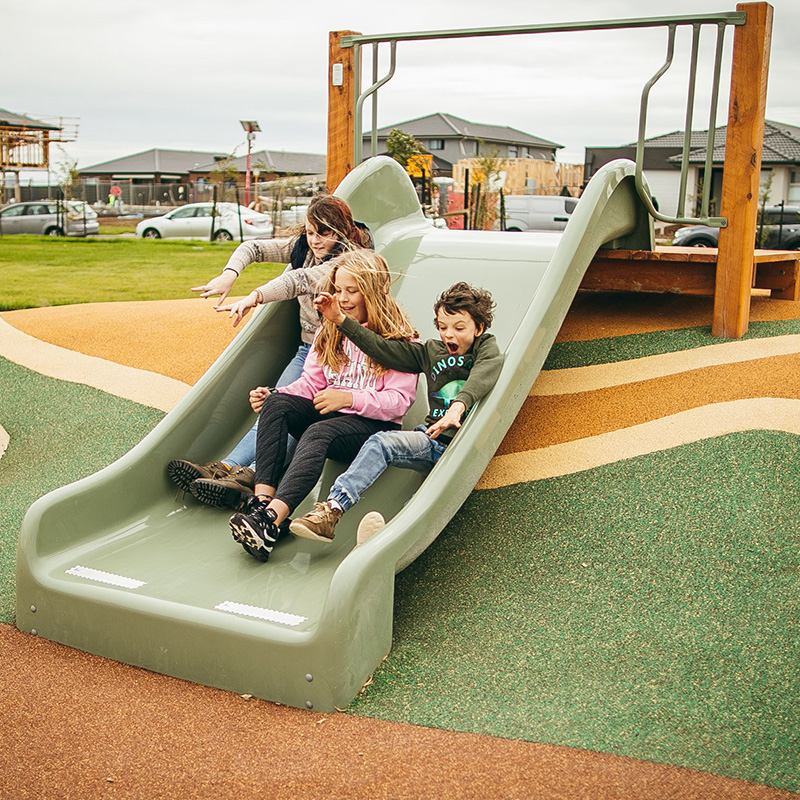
(524, 176)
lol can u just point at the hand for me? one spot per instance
(257, 397)
(328, 305)
(452, 419)
(220, 285)
(329, 400)
(239, 309)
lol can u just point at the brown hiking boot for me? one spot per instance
(185, 473)
(233, 490)
(317, 524)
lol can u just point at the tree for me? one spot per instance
(225, 174)
(487, 175)
(401, 146)
(66, 173)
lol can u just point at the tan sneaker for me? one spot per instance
(370, 524)
(317, 524)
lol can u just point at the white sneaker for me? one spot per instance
(370, 524)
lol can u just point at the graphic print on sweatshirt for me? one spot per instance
(449, 392)
(353, 375)
(445, 380)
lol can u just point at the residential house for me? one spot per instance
(169, 176)
(449, 138)
(780, 166)
(271, 165)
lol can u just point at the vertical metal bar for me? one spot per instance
(373, 139)
(712, 122)
(358, 113)
(646, 199)
(358, 142)
(687, 135)
(466, 198)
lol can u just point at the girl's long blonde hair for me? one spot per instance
(384, 316)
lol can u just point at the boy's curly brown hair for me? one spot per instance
(472, 300)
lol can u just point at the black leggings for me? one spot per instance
(320, 436)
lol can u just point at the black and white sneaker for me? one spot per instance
(251, 503)
(256, 531)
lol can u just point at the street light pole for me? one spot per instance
(251, 126)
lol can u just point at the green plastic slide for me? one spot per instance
(120, 565)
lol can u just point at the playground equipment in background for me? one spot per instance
(752, 24)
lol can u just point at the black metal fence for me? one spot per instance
(132, 196)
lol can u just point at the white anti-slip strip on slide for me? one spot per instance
(139, 385)
(257, 612)
(604, 376)
(105, 577)
(708, 422)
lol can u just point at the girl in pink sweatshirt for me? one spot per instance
(339, 401)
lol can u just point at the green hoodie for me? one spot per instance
(465, 378)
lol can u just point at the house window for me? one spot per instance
(512, 151)
(794, 186)
(435, 144)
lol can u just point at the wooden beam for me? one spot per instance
(742, 170)
(341, 105)
(688, 270)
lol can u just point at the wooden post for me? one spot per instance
(742, 170)
(341, 105)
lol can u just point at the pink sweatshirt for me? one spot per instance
(386, 397)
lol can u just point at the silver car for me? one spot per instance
(49, 218)
(193, 221)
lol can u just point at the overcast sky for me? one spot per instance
(182, 73)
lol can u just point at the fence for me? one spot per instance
(523, 176)
(114, 198)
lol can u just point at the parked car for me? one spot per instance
(780, 231)
(193, 221)
(537, 212)
(293, 216)
(49, 218)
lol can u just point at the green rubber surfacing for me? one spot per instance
(629, 609)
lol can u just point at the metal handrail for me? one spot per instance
(721, 21)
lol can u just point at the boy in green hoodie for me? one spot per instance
(461, 366)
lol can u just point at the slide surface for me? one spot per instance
(120, 565)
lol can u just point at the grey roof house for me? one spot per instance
(273, 164)
(182, 166)
(449, 138)
(780, 165)
(152, 166)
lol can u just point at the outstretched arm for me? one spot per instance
(241, 308)
(221, 285)
(256, 250)
(398, 354)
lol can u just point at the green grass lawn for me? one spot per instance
(115, 230)
(40, 271)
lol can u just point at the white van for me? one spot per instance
(537, 212)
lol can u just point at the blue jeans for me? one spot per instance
(244, 453)
(407, 449)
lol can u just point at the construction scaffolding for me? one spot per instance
(25, 143)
